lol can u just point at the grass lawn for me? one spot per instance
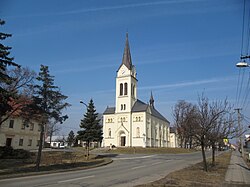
(51, 161)
(195, 176)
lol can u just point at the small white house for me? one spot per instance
(57, 141)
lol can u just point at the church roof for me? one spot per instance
(140, 106)
(126, 60)
(109, 110)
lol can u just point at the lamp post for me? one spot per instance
(83, 103)
(241, 64)
(86, 147)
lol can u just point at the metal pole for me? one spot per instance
(240, 132)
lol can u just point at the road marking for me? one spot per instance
(133, 157)
(156, 163)
(69, 180)
(137, 167)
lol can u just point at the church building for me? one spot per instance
(132, 122)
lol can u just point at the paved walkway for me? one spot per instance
(238, 172)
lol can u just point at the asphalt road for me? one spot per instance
(126, 170)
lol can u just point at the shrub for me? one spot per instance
(20, 154)
(9, 152)
(6, 151)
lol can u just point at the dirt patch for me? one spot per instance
(196, 176)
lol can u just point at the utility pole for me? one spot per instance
(240, 131)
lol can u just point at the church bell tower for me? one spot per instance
(126, 82)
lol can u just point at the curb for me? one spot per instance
(106, 161)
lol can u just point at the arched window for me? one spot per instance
(133, 90)
(124, 107)
(109, 132)
(121, 106)
(121, 89)
(126, 89)
(137, 132)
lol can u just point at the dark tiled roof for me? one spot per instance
(109, 110)
(157, 114)
(140, 106)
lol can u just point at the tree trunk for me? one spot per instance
(204, 156)
(190, 143)
(50, 139)
(39, 154)
(213, 154)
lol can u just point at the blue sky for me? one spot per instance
(180, 48)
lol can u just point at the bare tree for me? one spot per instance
(210, 117)
(224, 127)
(21, 90)
(184, 116)
(52, 128)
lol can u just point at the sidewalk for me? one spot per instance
(238, 173)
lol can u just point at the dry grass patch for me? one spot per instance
(51, 161)
(140, 150)
(196, 176)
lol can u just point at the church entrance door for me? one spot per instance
(123, 140)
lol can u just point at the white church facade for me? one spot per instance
(132, 122)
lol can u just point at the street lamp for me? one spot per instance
(87, 152)
(83, 103)
(243, 64)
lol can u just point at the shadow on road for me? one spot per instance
(107, 156)
(243, 167)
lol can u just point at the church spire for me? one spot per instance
(126, 60)
(151, 101)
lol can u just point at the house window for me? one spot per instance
(109, 132)
(37, 143)
(124, 119)
(32, 126)
(29, 142)
(11, 124)
(121, 106)
(8, 142)
(23, 126)
(124, 107)
(39, 128)
(126, 89)
(21, 142)
(138, 132)
(121, 89)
